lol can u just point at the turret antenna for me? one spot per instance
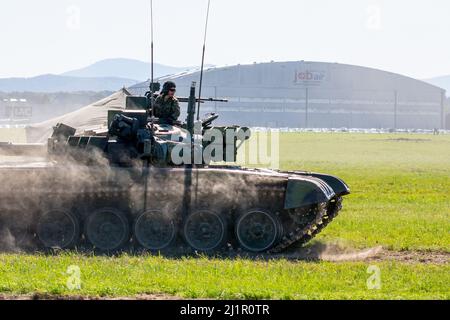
(147, 164)
(152, 62)
(203, 63)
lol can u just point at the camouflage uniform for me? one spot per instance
(167, 109)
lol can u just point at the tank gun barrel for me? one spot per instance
(184, 99)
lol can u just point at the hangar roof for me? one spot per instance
(302, 74)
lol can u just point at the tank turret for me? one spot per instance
(134, 135)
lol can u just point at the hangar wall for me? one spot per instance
(316, 95)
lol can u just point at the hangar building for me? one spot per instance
(316, 95)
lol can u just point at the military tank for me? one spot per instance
(141, 183)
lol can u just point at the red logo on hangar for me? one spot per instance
(309, 76)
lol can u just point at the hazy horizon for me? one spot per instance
(406, 37)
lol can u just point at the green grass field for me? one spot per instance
(400, 200)
(400, 186)
(225, 279)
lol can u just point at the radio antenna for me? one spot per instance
(203, 63)
(151, 62)
(147, 162)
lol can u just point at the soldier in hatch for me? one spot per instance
(167, 107)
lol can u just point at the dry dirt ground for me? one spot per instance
(337, 253)
(413, 257)
(147, 297)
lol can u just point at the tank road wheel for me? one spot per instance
(257, 230)
(205, 230)
(154, 231)
(107, 229)
(58, 229)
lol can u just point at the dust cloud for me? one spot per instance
(33, 186)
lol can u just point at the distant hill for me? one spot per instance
(442, 82)
(124, 68)
(59, 83)
(105, 75)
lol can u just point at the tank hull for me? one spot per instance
(208, 208)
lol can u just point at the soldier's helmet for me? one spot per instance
(167, 86)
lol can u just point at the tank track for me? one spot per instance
(319, 216)
(324, 214)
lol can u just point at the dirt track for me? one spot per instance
(147, 297)
(314, 253)
(335, 253)
(414, 257)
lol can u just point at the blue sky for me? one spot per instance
(52, 36)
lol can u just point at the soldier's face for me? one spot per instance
(172, 92)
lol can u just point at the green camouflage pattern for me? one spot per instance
(167, 108)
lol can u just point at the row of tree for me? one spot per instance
(58, 98)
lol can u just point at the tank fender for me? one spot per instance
(305, 191)
(339, 187)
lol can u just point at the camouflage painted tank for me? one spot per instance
(107, 190)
